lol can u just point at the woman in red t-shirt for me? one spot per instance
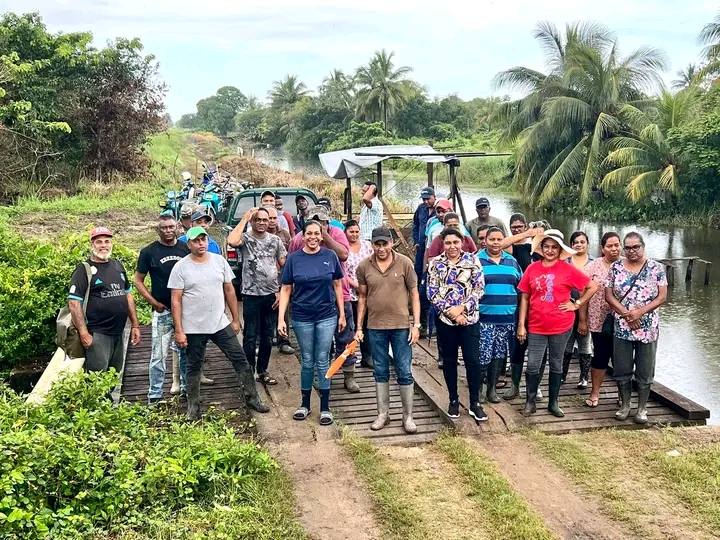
(546, 306)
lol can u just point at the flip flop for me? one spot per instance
(301, 414)
(266, 378)
(592, 402)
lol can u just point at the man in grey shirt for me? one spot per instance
(262, 255)
(201, 287)
(482, 207)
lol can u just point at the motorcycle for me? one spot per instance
(174, 200)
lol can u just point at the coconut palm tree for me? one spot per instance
(561, 123)
(287, 92)
(338, 87)
(686, 77)
(382, 89)
(710, 37)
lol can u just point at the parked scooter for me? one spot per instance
(175, 199)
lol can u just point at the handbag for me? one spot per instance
(608, 327)
(67, 336)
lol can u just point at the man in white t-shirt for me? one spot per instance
(201, 287)
(371, 214)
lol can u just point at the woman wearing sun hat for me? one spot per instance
(546, 306)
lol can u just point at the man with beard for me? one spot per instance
(201, 289)
(158, 260)
(101, 323)
(262, 255)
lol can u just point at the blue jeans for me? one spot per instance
(163, 332)
(315, 339)
(380, 343)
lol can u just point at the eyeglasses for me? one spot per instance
(636, 247)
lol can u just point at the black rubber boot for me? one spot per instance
(554, 382)
(625, 392)
(566, 365)
(585, 360)
(252, 400)
(193, 396)
(492, 377)
(531, 385)
(515, 374)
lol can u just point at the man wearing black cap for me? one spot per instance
(201, 218)
(482, 207)
(385, 280)
(423, 213)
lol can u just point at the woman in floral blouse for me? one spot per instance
(597, 310)
(359, 251)
(636, 286)
(455, 287)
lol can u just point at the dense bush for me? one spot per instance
(34, 278)
(78, 466)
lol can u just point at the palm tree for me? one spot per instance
(338, 87)
(710, 37)
(382, 88)
(686, 77)
(567, 114)
(287, 92)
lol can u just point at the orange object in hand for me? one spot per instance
(340, 360)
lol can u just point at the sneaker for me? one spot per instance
(477, 412)
(454, 409)
(286, 349)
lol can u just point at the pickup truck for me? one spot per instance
(244, 201)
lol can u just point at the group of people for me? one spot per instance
(492, 295)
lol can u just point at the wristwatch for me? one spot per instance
(578, 302)
(417, 325)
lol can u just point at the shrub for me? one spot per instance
(77, 466)
(34, 279)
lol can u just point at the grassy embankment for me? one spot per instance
(654, 481)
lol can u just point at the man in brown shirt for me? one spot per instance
(385, 280)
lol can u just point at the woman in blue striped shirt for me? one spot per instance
(497, 306)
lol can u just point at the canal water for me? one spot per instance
(688, 358)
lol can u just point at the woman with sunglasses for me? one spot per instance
(636, 286)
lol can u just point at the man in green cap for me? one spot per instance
(201, 287)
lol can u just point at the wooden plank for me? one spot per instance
(361, 416)
(415, 440)
(364, 423)
(686, 407)
(398, 430)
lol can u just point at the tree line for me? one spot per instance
(594, 126)
(70, 110)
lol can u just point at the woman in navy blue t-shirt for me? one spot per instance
(312, 278)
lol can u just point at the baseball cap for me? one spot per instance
(100, 231)
(268, 192)
(186, 210)
(198, 214)
(427, 192)
(444, 204)
(319, 212)
(299, 198)
(482, 201)
(324, 201)
(381, 234)
(194, 232)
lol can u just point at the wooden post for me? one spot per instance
(670, 273)
(688, 273)
(398, 231)
(348, 198)
(379, 179)
(430, 175)
(707, 273)
(453, 183)
(460, 204)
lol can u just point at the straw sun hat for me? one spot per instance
(556, 235)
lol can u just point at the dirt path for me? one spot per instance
(569, 514)
(332, 503)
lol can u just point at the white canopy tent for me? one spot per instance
(348, 164)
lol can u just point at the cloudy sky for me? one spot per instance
(454, 46)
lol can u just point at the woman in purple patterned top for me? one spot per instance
(636, 286)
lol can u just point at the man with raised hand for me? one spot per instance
(371, 213)
(109, 304)
(201, 287)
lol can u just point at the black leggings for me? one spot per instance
(602, 350)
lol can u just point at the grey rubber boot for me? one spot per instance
(407, 394)
(554, 380)
(193, 397)
(531, 387)
(350, 384)
(382, 392)
(252, 399)
(585, 360)
(493, 372)
(514, 390)
(205, 380)
(641, 413)
(175, 389)
(625, 391)
(566, 365)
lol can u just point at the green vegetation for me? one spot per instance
(78, 466)
(69, 110)
(397, 516)
(505, 512)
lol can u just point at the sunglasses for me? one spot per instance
(636, 247)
